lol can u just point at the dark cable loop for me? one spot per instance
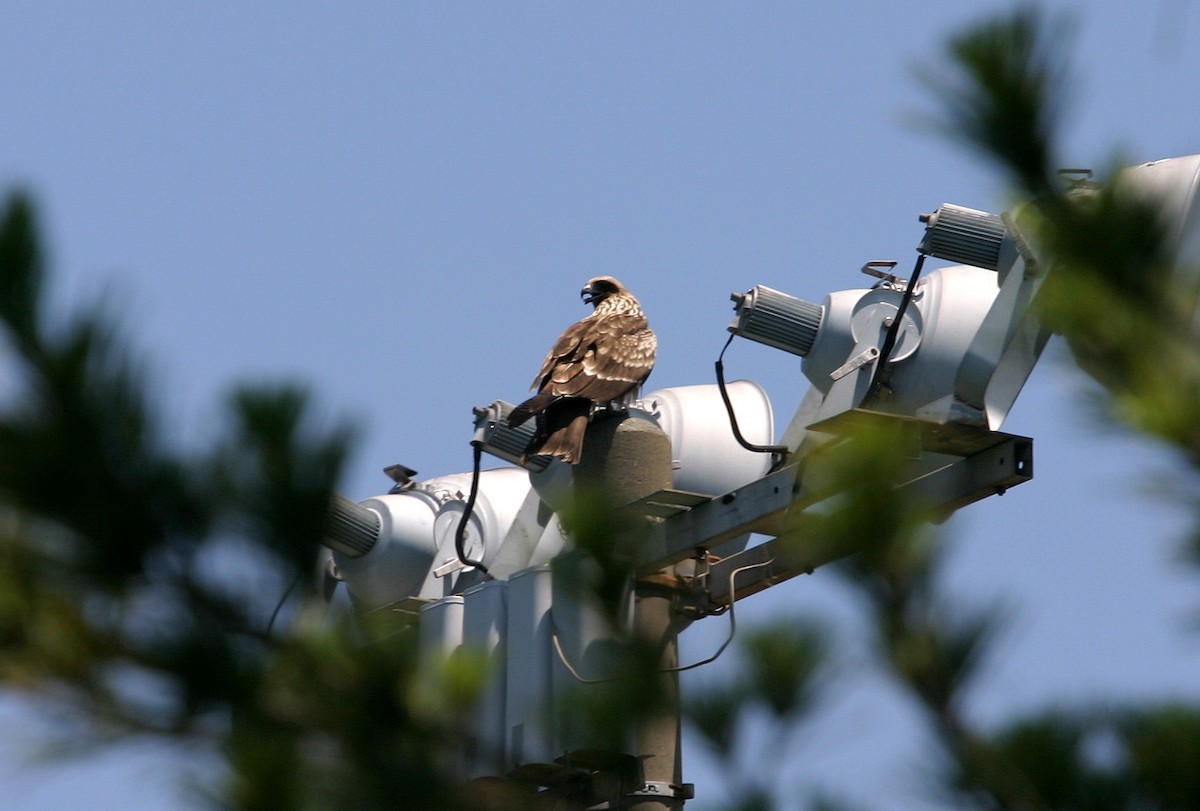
(780, 451)
(460, 533)
(880, 378)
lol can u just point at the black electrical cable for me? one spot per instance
(882, 373)
(779, 450)
(283, 599)
(461, 532)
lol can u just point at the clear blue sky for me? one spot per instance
(397, 203)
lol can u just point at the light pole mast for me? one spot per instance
(628, 459)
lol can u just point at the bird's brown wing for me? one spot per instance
(599, 358)
(569, 348)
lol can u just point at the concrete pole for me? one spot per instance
(658, 737)
(626, 458)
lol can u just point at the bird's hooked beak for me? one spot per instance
(588, 294)
(599, 289)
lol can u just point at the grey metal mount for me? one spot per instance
(954, 466)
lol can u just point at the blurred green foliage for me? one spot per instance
(137, 584)
(1125, 301)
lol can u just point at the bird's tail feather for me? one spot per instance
(567, 442)
(560, 428)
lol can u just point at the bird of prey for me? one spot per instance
(604, 357)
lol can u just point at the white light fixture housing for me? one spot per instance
(706, 457)
(414, 554)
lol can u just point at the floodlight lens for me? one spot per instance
(964, 236)
(776, 319)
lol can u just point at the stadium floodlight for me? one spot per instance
(777, 319)
(928, 329)
(1173, 185)
(705, 456)
(951, 347)
(967, 338)
(401, 546)
(412, 554)
(964, 236)
(494, 436)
